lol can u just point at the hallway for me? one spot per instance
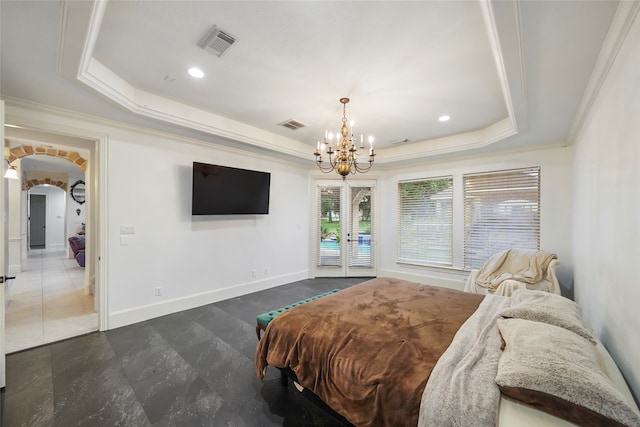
(46, 302)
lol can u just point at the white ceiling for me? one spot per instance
(509, 73)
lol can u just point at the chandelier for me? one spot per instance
(343, 152)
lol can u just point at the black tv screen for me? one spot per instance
(222, 190)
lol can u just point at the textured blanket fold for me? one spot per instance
(461, 390)
(523, 265)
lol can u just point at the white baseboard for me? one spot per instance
(451, 283)
(140, 314)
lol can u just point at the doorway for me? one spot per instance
(344, 244)
(54, 295)
(47, 301)
(37, 221)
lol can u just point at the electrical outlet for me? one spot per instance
(266, 271)
(253, 273)
(158, 291)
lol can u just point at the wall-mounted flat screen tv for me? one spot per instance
(223, 190)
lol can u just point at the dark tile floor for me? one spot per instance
(193, 368)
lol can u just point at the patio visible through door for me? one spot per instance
(345, 244)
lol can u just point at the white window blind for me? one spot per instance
(361, 231)
(329, 214)
(501, 211)
(426, 221)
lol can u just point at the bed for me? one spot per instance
(389, 352)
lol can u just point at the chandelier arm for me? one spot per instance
(327, 170)
(364, 169)
(332, 162)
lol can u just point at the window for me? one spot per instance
(426, 222)
(501, 211)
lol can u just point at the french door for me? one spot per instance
(344, 244)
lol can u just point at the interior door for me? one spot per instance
(344, 244)
(37, 220)
(4, 253)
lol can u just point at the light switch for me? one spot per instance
(127, 229)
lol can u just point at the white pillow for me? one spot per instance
(557, 371)
(552, 309)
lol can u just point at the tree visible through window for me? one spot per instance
(426, 222)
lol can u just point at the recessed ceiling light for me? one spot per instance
(444, 118)
(195, 72)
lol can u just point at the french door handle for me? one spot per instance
(3, 279)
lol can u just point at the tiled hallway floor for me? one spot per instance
(46, 302)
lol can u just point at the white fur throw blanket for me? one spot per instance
(523, 265)
(461, 390)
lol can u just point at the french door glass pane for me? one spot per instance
(360, 247)
(330, 213)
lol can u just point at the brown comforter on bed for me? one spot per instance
(367, 351)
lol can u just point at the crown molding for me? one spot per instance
(623, 19)
(449, 145)
(90, 133)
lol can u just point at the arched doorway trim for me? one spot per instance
(29, 150)
(40, 181)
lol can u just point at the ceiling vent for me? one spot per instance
(399, 141)
(292, 124)
(217, 41)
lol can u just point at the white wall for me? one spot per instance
(555, 214)
(606, 218)
(74, 221)
(55, 214)
(195, 259)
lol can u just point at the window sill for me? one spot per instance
(432, 267)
